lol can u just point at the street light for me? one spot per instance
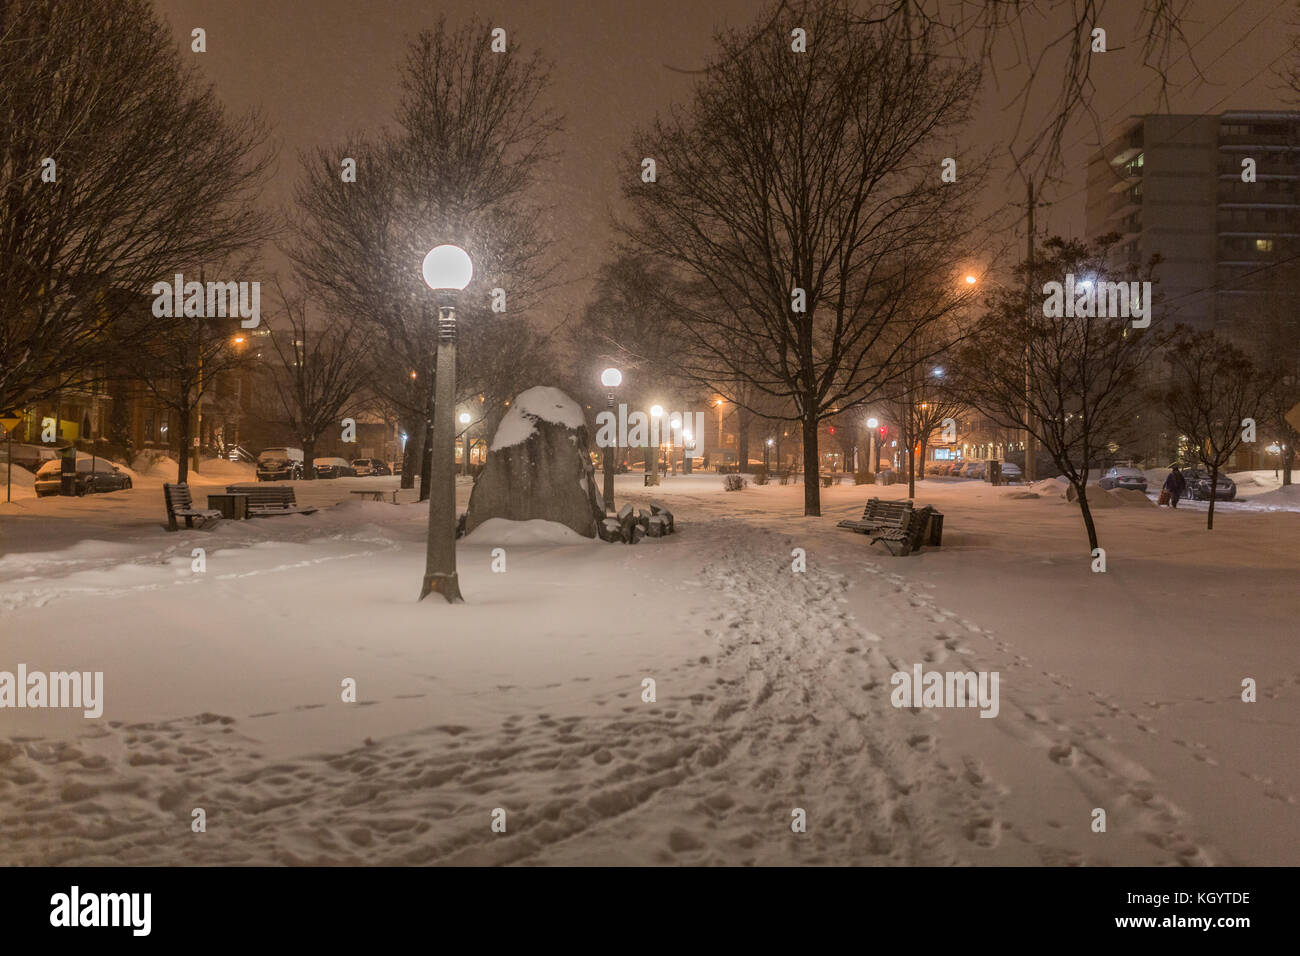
(872, 424)
(611, 378)
(652, 470)
(447, 269)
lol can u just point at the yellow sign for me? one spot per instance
(9, 418)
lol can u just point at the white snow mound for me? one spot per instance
(501, 531)
(1130, 496)
(540, 403)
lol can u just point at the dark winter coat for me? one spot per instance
(1175, 484)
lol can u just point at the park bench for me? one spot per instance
(879, 514)
(374, 494)
(897, 523)
(181, 505)
(265, 501)
(908, 538)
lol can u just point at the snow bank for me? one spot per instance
(1131, 497)
(500, 531)
(1288, 496)
(1051, 487)
(540, 403)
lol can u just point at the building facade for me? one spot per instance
(1216, 197)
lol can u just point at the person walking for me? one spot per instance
(1175, 485)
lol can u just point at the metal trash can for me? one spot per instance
(993, 471)
(936, 529)
(68, 471)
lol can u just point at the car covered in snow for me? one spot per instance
(333, 468)
(94, 476)
(365, 467)
(1123, 477)
(1198, 485)
(274, 464)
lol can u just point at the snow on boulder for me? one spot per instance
(537, 404)
(539, 467)
(500, 531)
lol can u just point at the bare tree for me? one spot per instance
(118, 168)
(801, 196)
(474, 132)
(179, 359)
(1276, 338)
(1086, 372)
(1212, 389)
(321, 370)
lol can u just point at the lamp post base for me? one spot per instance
(445, 584)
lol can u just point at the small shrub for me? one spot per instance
(864, 477)
(784, 477)
(760, 475)
(733, 482)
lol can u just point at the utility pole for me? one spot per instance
(1031, 453)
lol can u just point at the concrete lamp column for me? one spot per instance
(447, 269)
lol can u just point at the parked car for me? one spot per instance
(1123, 477)
(1011, 472)
(94, 476)
(1198, 486)
(276, 463)
(333, 468)
(365, 467)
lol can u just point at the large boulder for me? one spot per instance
(539, 466)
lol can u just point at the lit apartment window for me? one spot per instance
(1263, 245)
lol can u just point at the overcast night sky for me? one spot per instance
(323, 69)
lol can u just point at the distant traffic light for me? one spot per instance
(832, 429)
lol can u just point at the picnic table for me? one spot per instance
(375, 494)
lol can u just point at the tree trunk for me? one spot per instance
(308, 459)
(426, 461)
(1087, 516)
(812, 501)
(743, 421)
(1214, 487)
(409, 451)
(920, 475)
(183, 459)
(1288, 462)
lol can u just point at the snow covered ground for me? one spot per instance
(222, 688)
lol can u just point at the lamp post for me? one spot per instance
(611, 378)
(872, 425)
(767, 455)
(446, 269)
